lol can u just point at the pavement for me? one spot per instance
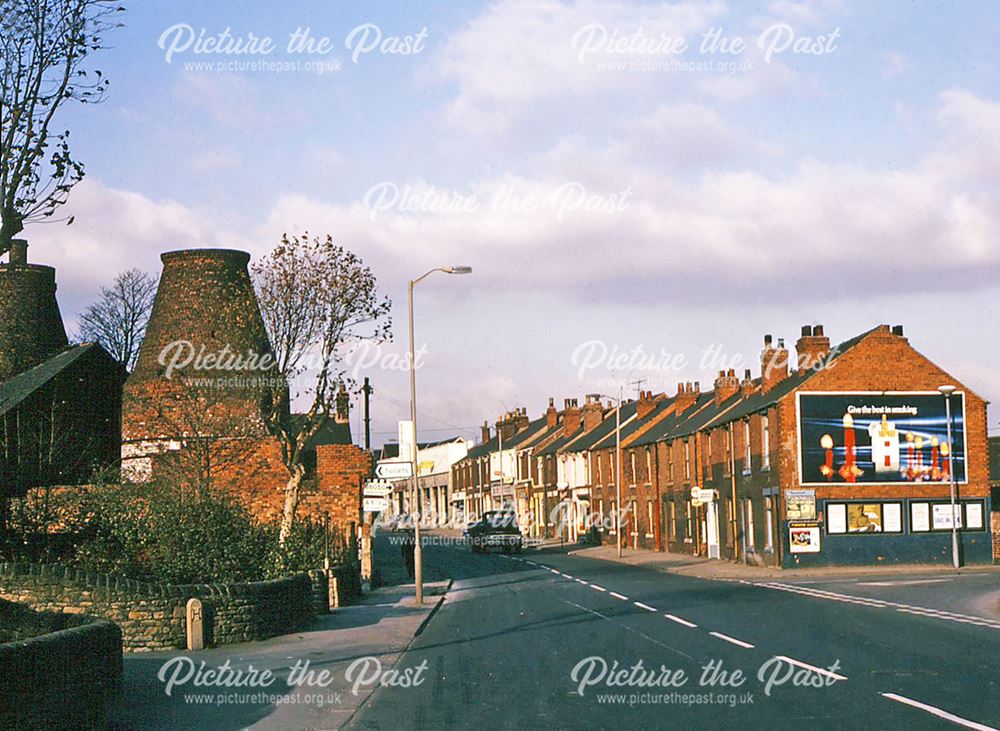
(558, 639)
(357, 646)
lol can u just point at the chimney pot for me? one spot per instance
(807, 331)
(818, 331)
(767, 340)
(746, 374)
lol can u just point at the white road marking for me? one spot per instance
(599, 588)
(629, 629)
(882, 604)
(646, 607)
(937, 712)
(735, 641)
(580, 581)
(616, 595)
(807, 666)
(566, 575)
(905, 582)
(554, 571)
(674, 618)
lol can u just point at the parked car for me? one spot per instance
(496, 529)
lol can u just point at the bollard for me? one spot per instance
(195, 625)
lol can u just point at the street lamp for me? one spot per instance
(618, 467)
(418, 569)
(947, 391)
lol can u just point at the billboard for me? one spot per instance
(880, 438)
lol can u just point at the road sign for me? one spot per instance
(707, 495)
(394, 470)
(377, 489)
(374, 504)
(695, 502)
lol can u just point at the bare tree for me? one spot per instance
(118, 319)
(43, 47)
(317, 299)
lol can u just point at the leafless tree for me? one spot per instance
(118, 319)
(317, 299)
(44, 45)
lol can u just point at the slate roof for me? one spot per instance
(331, 433)
(605, 429)
(15, 390)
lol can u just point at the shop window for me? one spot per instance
(935, 516)
(864, 517)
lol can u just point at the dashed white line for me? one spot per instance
(554, 571)
(821, 671)
(580, 581)
(937, 712)
(599, 588)
(616, 595)
(674, 618)
(735, 641)
(566, 575)
(646, 607)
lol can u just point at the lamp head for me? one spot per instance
(947, 390)
(458, 270)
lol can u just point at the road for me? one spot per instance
(502, 649)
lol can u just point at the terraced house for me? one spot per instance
(846, 458)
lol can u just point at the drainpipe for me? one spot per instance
(738, 548)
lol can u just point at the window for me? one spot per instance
(729, 522)
(864, 517)
(601, 513)
(765, 443)
(749, 524)
(936, 516)
(727, 470)
(649, 465)
(614, 520)
(599, 475)
(746, 441)
(633, 517)
(689, 523)
(672, 523)
(670, 462)
(649, 519)
(769, 522)
(635, 477)
(687, 459)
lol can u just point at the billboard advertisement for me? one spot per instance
(880, 438)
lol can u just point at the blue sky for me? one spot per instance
(851, 188)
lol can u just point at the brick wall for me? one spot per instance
(152, 616)
(62, 678)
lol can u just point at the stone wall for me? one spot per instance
(60, 679)
(152, 616)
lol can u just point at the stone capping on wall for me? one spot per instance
(61, 679)
(151, 616)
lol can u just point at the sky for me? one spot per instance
(643, 190)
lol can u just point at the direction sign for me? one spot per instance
(374, 504)
(377, 489)
(394, 470)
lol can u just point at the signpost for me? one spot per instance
(394, 470)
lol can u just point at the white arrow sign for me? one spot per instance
(394, 470)
(374, 504)
(377, 489)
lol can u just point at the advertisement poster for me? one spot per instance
(942, 516)
(800, 504)
(880, 438)
(803, 538)
(920, 517)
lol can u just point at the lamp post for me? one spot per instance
(947, 391)
(418, 569)
(618, 466)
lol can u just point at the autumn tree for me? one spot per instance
(317, 299)
(118, 319)
(44, 47)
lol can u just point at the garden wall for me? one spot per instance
(152, 616)
(61, 677)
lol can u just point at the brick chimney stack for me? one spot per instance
(484, 432)
(773, 364)
(746, 387)
(343, 413)
(647, 402)
(686, 396)
(593, 411)
(551, 415)
(812, 347)
(571, 417)
(726, 386)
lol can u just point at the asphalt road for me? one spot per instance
(502, 650)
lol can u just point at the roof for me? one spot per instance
(333, 432)
(588, 440)
(15, 390)
(632, 426)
